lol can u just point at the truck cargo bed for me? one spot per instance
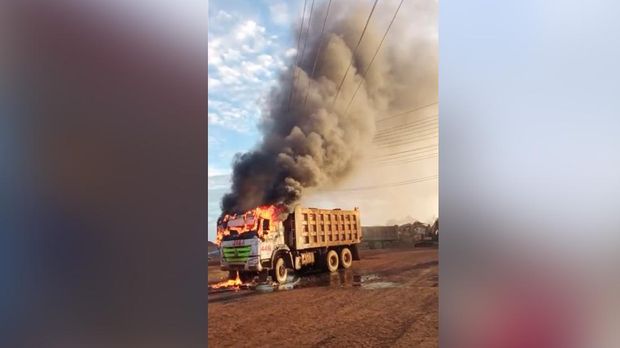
(315, 228)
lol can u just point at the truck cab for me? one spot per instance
(249, 243)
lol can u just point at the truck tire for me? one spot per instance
(247, 277)
(331, 261)
(244, 276)
(232, 275)
(262, 276)
(279, 272)
(346, 258)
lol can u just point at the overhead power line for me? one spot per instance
(412, 160)
(417, 149)
(406, 132)
(406, 138)
(407, 160)
(408, 125)
(318, 52)
(396, 184)
(406, 112)
(405, 157)
(407, 135)
(303, 51)
(411, 141)
(301, 30)
(408, 142)
(374, 56)
(354, 52)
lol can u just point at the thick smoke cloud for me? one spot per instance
(310, 139)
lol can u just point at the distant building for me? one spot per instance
(435, 229)
(413, 232)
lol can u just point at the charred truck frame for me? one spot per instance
(269, 241)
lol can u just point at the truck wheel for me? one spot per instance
(331, 260)
(279, 271)
(346, 258)
(246, 277)
(262, 276)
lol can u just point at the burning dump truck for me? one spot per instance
(268, 241)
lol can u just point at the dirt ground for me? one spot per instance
(394, 304)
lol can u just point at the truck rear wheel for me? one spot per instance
(346, 258)
(331, 260)
(279, 272)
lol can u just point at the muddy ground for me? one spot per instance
(389, 298)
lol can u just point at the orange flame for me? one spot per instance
(230, 283)
(249, 220)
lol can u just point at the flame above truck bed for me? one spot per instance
(248, 221)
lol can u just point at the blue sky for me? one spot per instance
(250, 44)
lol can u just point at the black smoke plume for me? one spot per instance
(311, 139)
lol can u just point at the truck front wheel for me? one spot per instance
(244, 276)
(331, 259)
(346, 258)
(279, 271)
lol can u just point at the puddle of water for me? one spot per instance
(264, 288)
(379, 285)
(364, 278)
(343, 279)
(340, 279)
(337, 279)
(291, 283)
